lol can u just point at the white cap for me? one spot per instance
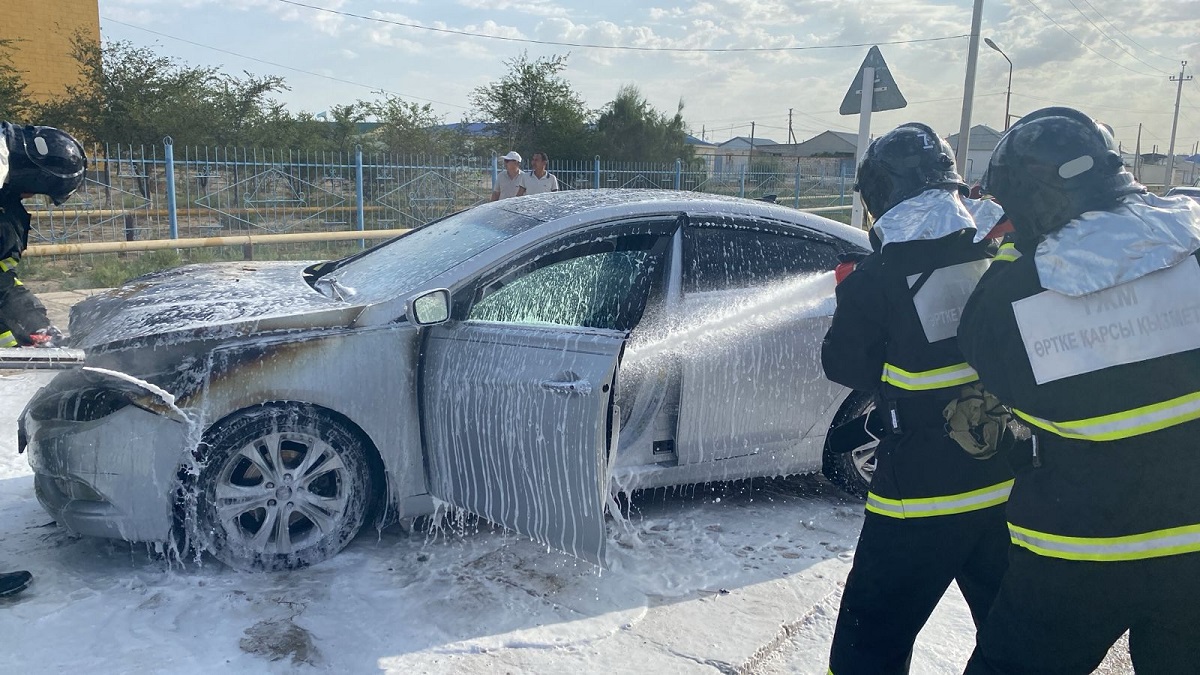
(512, 155)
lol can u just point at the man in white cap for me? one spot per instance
(509, 183)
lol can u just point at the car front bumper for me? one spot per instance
(114, 477)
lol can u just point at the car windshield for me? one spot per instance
(405, 264)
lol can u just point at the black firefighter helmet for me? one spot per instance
(1053, 165)
(902, 164)
(43, 161)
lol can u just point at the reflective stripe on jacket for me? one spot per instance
(940, 506)
(1126, 423)
(938, 378)
(1156, 544)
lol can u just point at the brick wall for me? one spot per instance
(42, 32)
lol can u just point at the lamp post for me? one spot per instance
(1008, 93)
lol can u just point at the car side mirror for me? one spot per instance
(430, 308)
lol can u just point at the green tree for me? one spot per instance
(533, 108)
(15, 103)
(630, 129)
(130, 94)
(407, 127)
(342, 129)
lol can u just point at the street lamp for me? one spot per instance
(1008, 94)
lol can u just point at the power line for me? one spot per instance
(1110, 39)
(1085, 45)
(1060, 101)
(280, 65)
(585, 45)
(1127, 36)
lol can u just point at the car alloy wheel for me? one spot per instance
(852, 469)
(283, 487)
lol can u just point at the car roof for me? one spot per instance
(569, 208)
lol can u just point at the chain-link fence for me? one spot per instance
(163, 192)
(159, 192)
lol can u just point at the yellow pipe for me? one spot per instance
(201, 242)
(240, 240)
(186, 212)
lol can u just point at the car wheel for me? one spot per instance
(852, 469)
(282, 486)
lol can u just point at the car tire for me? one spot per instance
(851, 469)
(282, 486)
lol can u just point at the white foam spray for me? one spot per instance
(693, 332)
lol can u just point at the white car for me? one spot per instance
(523, 360)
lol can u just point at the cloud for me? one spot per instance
(734, 88)
(517, 6)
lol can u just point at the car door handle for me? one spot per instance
(567, 387)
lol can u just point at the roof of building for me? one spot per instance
(745, 142)
(983, 138)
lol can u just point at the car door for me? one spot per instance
(762, 298)
(517, 392)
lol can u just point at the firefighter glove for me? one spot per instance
(977, 421)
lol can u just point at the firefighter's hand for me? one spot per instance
(846, 263)
(49, 336)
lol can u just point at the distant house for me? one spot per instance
(838, 147)
(702, 150)
(733, 155)
(979, 152)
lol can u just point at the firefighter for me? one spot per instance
(36, 160)
(33, 160)
(1092, 336)
(935, 514)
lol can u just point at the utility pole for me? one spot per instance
(964, 127)
(1137, 155)
(791, 136)
(1195, 152)
(1175, 124)
(751, 154)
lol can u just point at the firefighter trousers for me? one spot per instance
(902, 567)
(1060, 617)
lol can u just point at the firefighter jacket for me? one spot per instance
(21, 313)
(1092, 336)
(894, 334)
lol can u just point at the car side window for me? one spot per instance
(598, 285)
(717, 257)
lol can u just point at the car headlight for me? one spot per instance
(81, 405)
(81, 396)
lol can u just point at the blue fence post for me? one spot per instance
(678, 173)
(742, 185)
(596, 172)
(359, 214)
(797, 185)
(495, 172)
(841, 186)
(172, 212)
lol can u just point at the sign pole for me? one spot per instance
(873, 89)
(864, 133)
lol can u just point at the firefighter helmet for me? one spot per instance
(44, 161)
(1051, 166)
(902, 164)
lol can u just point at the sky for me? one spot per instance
(1110, 58)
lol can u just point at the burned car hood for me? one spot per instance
(207, 300)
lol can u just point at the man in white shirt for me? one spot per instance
(511, 183)
(540, 180)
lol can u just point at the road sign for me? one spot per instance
(886, 94)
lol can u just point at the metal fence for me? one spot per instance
(165, 192)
